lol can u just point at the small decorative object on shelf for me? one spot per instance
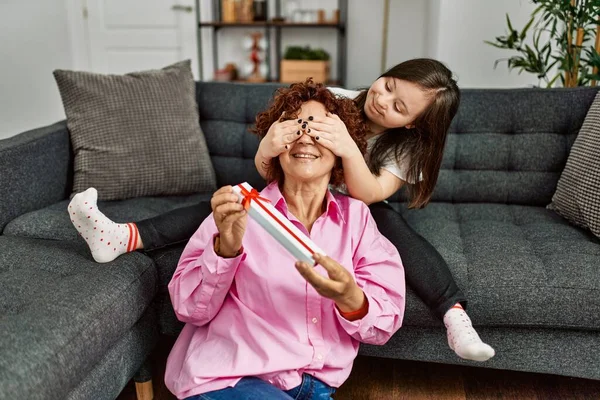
(229, 73)
(245, 10)
(222, 75)
(336, 16)
(237, 11)
(255, 71)
(300, 63)
(291, 6)
(228, 10)
(322, 19)
(305, 16)
(260, 10)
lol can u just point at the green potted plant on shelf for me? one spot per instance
(567, 55)
(300, 63)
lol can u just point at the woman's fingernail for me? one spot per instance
(316, 256)
(286, 147)
(298, 133)
(317, 138)
(300, 121)
(304, 125)
(310, 118)
(308, 130)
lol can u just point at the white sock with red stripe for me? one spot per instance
(107, 239)
(462, 337)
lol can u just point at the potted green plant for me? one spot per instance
(567, 55)
(299, 63)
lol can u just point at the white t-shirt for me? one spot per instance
(399, 170)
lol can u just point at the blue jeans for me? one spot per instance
(252, 388)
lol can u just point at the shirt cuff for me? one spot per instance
(364, 326)
(356, 314)
(215, 264)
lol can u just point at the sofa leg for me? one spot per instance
(144, 390)
(143, 381)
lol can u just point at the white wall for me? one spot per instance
(408, 31)
(34, 41)
(364, 42)
(462, 27)
(453, 31)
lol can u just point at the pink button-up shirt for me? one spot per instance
(254, 315)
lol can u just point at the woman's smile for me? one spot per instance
(304, 156)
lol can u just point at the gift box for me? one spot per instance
(276, 224)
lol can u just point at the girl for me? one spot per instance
(408, 111)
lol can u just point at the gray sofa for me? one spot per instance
(71, 328)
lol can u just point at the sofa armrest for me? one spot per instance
(35, 170)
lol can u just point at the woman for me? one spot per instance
(408, 111)
(255, 328)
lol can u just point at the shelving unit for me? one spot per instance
(273, 31)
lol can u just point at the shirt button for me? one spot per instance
(319, 356)
(315, 320)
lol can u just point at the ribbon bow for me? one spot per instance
(249, 196)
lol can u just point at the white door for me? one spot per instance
(135, 35)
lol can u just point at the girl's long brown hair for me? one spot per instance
(288, 101)
(423, 144)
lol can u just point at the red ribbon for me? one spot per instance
(253, 194)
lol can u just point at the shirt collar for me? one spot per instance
(273, 193)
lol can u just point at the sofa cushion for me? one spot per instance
(136, 134)
(60, 312)
(110, 375)
(517, 265)
(53, 222)
(577, 196)
(35, 170)
(510, 145)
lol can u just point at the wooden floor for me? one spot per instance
(382, 379)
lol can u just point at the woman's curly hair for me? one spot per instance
(287, 101)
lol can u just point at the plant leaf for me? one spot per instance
(510, 28)
(526, 28)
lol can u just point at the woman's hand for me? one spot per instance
(230, 218)
(340, 287)
(331, 132)
(279, 137)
